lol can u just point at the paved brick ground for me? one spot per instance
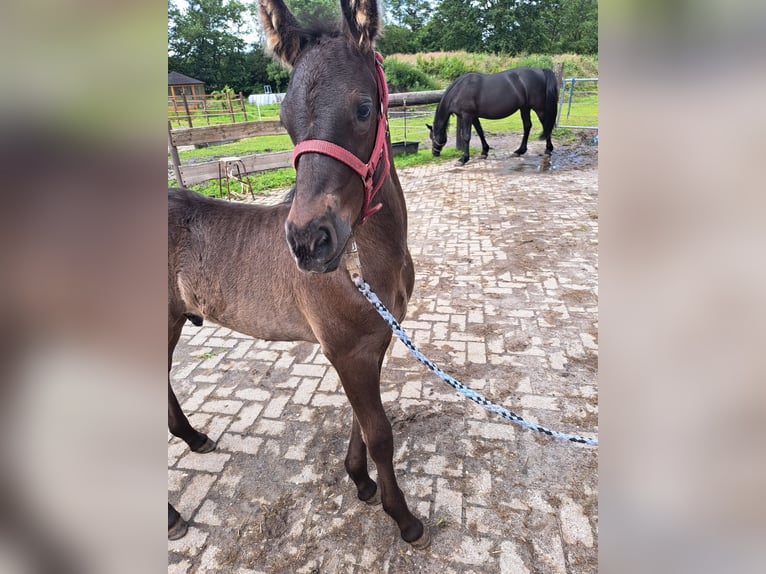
(506, 301)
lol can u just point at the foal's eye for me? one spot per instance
(363, 111)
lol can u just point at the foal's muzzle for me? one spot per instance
(315, 246)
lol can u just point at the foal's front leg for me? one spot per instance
(361, 382)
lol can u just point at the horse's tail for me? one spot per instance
(551, 102)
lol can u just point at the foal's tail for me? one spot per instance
(551, 102)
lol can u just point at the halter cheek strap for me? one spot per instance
(365, 170)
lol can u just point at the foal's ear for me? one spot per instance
(361, 18)
(283, 32)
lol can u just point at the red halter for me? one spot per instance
(365, 170)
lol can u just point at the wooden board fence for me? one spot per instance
(201, 172)
(223, 132)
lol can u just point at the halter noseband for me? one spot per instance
(365, 170)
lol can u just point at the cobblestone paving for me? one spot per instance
(505, 300)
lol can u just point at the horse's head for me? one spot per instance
(438, 139)
(333, 105)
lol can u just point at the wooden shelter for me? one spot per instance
(180, 85)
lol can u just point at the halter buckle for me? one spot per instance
(353, 265)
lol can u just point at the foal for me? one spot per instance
(299, 289)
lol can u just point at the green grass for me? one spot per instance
(261, 183)
(247, 146)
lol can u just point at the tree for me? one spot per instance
(454, 25)
(579, 27)
(319, 10)
(203, 42)
(540, 26)
(395, 39)
(409, 14)
(278, 76)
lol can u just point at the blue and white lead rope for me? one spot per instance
(365, 290)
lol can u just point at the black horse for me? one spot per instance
(494, 96)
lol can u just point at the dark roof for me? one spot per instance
(176, 79)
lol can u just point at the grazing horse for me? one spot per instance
(495, 96)
(284, 276)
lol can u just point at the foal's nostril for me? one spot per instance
(322, 240)
(312, 245)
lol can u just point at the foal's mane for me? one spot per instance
(289, 196)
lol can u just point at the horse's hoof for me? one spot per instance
(374, 500)
(425, 539)
(207, 446)
(460, 163)
(483, 156)
(178, 530)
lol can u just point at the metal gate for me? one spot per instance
(578, 104)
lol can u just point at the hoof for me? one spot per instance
(178, 530)
(460, 163)
(483, 156)
(207, 446)
(374, 500)
(425, 539)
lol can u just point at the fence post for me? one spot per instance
(175, 108)
(204, 108)
(174, 157)
(231, 109)
(186, 107)
(559, 73)
(242, 101)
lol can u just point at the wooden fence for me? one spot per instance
(186, 109)
(197, 173)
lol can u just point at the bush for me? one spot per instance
(405, 78)
(535, 61)
(443, 67)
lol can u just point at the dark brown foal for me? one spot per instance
(285, 277)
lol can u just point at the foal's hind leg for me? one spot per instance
(179, 426)
(484, 144)
(356, 466)
(361, 382)
(177, 422)
(527, 122)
